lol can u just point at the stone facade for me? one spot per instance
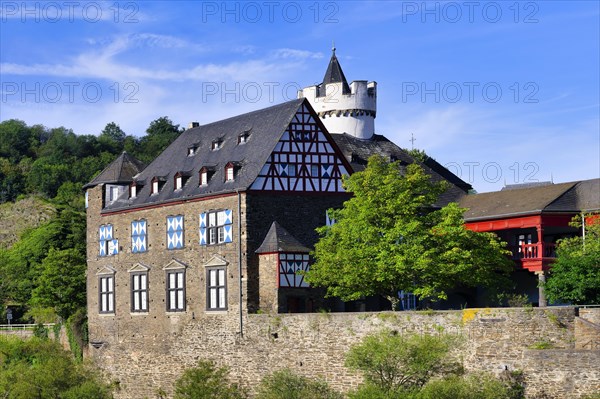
(315, 344)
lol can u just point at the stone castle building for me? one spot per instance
(190, 256)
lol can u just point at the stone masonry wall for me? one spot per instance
(315, 344)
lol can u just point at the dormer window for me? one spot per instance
(180, 180)
(192, 150)
(205, 173)
(243, 138)
(132, 191)
(157, 185)
(229, 172)
(216, 144)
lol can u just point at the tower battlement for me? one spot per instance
(342, 107)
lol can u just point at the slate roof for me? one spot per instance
(334, 74)
(358, 151)
(563, 197)
(279, 240)
(265, 128)
(120, 171)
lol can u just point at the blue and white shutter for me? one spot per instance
(175, 232)
(228, 225)
(138, 236)
(203, 229)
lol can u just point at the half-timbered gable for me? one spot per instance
(305, 159)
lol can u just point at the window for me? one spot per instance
(192, 150)
(216, 144)
(175, 232)
(180, 179)
(291, 267)
(178, 183)
(139, 239)
(203, 178)
(243, 138)
(133, 191)
(216, 289)
(216, 227)
(176, 291)
(287, 170)
(139, 292)
(107, 245)
(106, 286)
(229, 173)
(155, 187)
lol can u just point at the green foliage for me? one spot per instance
(206, 381)
(284, 384)
(389, 238)
(160, 134)
(77, 334)
(474, 386)
(575, 275)
(61, 284)
(39, 368)
(40, 331)
(397, 363)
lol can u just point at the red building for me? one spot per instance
(531, 219)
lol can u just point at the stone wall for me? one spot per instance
(315, 344)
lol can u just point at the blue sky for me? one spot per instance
(500, 92)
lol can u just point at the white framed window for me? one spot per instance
(176, 290)
(108, 246)
(216, 227)
(204, 178)
(106, 293)
(216, 289)
(229, 173)
(139, 292)
(133, 191)
(155, 187)
(178, 183)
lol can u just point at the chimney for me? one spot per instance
(192, 125)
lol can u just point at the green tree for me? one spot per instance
(159, 135)
(284, 384)
(397, 363)
(389, 237)
(575, 275)
(473, 386)
(206, 381)
(61, 284)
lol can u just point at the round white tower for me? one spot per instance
(344, 108)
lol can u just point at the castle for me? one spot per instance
(189, 254)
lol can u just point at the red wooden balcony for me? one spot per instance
(534, 257)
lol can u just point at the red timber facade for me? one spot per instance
(531, 219)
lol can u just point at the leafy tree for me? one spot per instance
(61, 284)
(575, 275)
(284, 384)
(113, 132)
(388, 237)
(206, 381)
(160, 134)
(396, 363)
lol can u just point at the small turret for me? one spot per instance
(342, 107)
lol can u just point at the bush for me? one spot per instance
(40, 368)
(284, 384)
(402, 363)
(475, 386)
(206, 381)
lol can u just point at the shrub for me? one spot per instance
(474, 386)
(206, 381)
(284, 384)
(394, 362)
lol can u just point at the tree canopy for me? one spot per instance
(575, 275)
(389, 237)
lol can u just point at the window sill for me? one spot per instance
(139, 313)
(216, 312)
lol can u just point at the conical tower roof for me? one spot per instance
(279, 240)
(334, 74)
(120, 171)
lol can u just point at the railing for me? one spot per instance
(22, 327)
(532, 251)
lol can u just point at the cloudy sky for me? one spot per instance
(501, 92)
